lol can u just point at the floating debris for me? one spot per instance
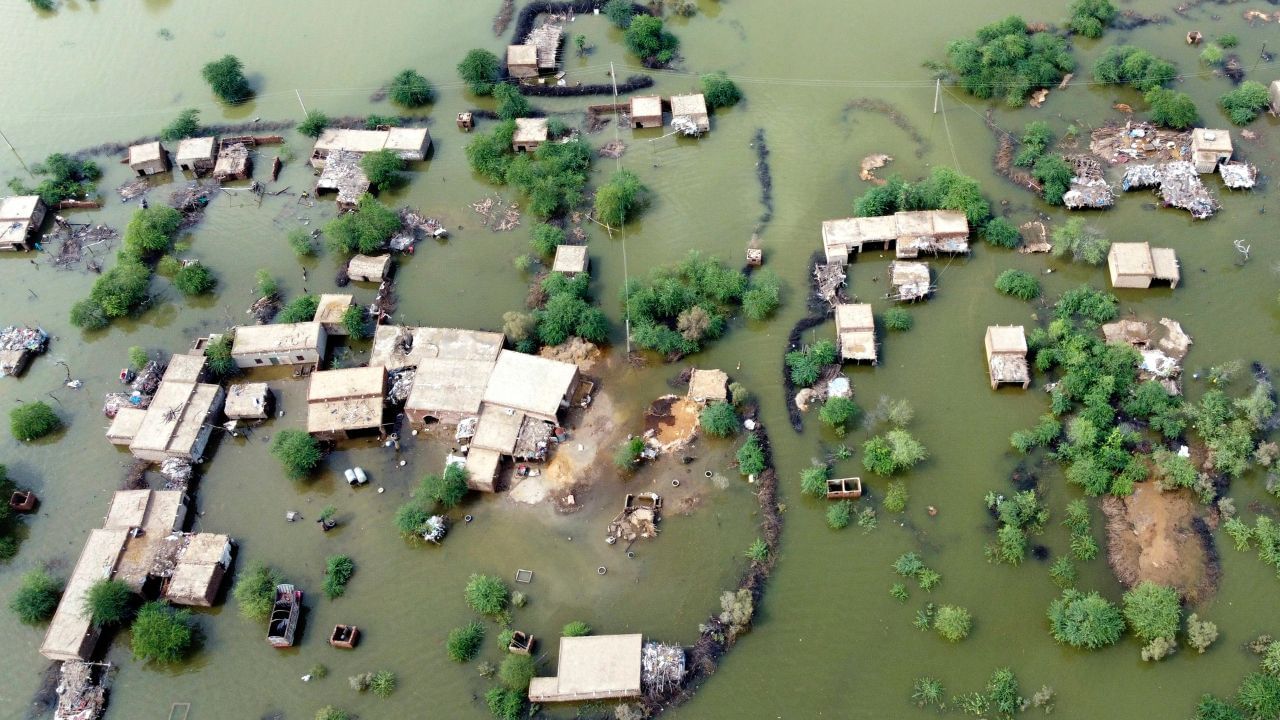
(1035, 237)
(613, 149)
(870, 164)
(1139, 141)
(1178, 185)
(1238, 175)
(18, 345)
(498, 215)
(133, 189)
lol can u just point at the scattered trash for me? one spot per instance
(870, 164)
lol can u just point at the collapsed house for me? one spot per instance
(180, 418)
(18, 345)
(345, 403)
(1162, 348)
(1006, 347)
(1177, 184)
(530, 133)
(911, 234)
(330, 310)
(908, 281)
(539, 53)
(1088, 189)
(343, 174)
(20, 220)
(708, 386)
(197, 155)
(1136, 265)
(408, 143)
(570, 259)
(148, 159)
(234, 162)
(592, 667)
(281, 344)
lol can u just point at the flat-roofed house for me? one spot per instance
(1136, 265)
(411, 144)
(72, 634)
(20, 220)
(248, 401)
(1006, 347)
(530, 133)
(911, 233)
(570, 259)
(1209, 147)
(201, 566)
(692, 106)
(856, 330)
(646, 111)
(181, 416)
(234, 162)
(281, 344)
(125, 425)
(522, 61)
(346, 402)
(708, 386)
(197, 155)
(148, 159)
(592, 667)
(369, 268)
(453, 368)
(408, 143)
(537, 386)
(330, 310)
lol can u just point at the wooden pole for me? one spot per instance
(15, 154)
(304, 107)
(613, 76)
(937, 95)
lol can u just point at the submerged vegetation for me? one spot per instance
(226, 78)
(64, 178)
(1007, 59)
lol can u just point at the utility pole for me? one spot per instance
(15, 154)
(613, 76)
(937, 95)
(304, 107)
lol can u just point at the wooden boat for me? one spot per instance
(284, 616)
(344, 636)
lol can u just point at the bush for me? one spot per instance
(628, 454)
(151, 230)
(944, 189)
(329, 712)
(1153, 611)
(218, 355)
(813, 480)
(661, 308)
(33, 420)
(1084, 620)
(383, 683)
(552, 177)
(490, 155)
(1054, 174)
(486, 594)
(480, 70)
(314, 123)
(839, 515)
(266, 284)
(1244, 103)
(410, 89)
(898, 319)
(511, 104)
(648, 39)
(806, 365)
(464, 642)
(719, 419)
(255, 591)
(1129, 65)
(366, 230)
(337, 573)
(1200, 633)
(37, 597)
(577, 628)
(758, 551)
(505, 703)
(762, 297)
(617, 200)
(65, 178)
(186, 125)
(356, 322)
(194, 279)
(1001, 233)
(952, 623)
(1081, 242)
(300, 309)
(1212, 54)
(516, 671)
(751, 457)
(300, 241)
(1090, 17)
(894, 452)
(1005, 59)
(1172, 108)
(1259, 695)
(895, 497)
(619, 12)
(226, 79)
(161, 633)
(546, 238)
(382, 168)
(1063, 572)
(449, 489)
(839, 412)
(411, 518)
(1019, 284)
(719, 90)
(297, 451)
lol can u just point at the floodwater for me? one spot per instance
(828, 640)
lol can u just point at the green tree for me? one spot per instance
(65, 178)
(1212, 54)
(719, 419)
(218, 355)
(897, 319)
(1172, 108)
(329, 712)
(762, 297)
(464, 642)
(366, 230)
(619, 12)
(719, 90)
(161, 633)
(1006, 59)
(647, 38)
(891, 453)
(36, 598)
(356, 322)
(505, 703)
(337, 573)
(1091, 17)
(487, 594)
(490, 155)
(1244, 103)
(1081, 242)
(448, 489)
(516, 671)
(895, 497)
(813, 480)
(1084, 620)
(1054, 174)
(577, 628)
(33, 420)
(1019, 284)
(151, 230)
(479, 70)
(300, 309)
(300, 240)
(255, 591)
(1133, 66)
(758, 551)
(1153, 611)
(412, 517)
(410, 89)
(1259, 695)
(297, 451)
(838, 413)
(226, 79)
(194, 279)
(1001, 233)
(628, 454)
(511, 103)
(839, 515)
(952, 623)
(186, 125)
(314, 123)
(546, 238)
(619, 199)
(750, 456)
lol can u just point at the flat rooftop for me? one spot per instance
(332, 306)
(530, 383)
(255, 339)
(198, 148)
(592, 667)
(646, 106)
(570, 259)
(146, 152)
(20, 207)
(347, 399)
(530, 130)
(401, 346)
(71, 633)
(176, 416)
(693, 104)
(1131, 259)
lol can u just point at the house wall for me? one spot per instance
(646, 121)
(1130, 281)
(154, 167)
(301, 356)
(418, 417)
(526, 146)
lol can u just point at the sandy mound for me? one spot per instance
(575, 350)
(1161, 537)
(671, 422)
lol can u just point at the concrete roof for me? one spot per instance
(125, 425)
(332, 306)
(345, 383)
(530, 130)
(530, 383)
(691, 104)
(570, 259)
(177, 414)
(253, 339)
(449, 386)
(858, 345)
(199, 568)
(1165, 262)
(646, 106)
(156, 511)
(1131, 259)
(854, 316)
(854, 231)
(71, 633)
(184, 368)
(1208, 139)
(407, 139)
(498, 429)
(145, 153)
(20, 207)
(433, 344)
(482, 465)
(708, 385)
(245, 400)
(359, 141)
(347, 399)
(14, 231)
(592, 667)
(369, 265)
(903, 273)
(198, 148)
(522, 55)
(1007, 339)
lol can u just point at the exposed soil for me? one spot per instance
(575, 464)
(671, 421)
(1161, 537)
(575, 350)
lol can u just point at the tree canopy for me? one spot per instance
(719, 90)
(366, 230)
(33, 420)
(1006, 59)
(226, 78)
(161, 633)
(186, 125)
(297, 451)
(382, 168)
(619, 199)
(480, 69)
(648, 38)
(410, 89)
(1082, 620)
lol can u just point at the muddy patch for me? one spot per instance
(671, 422)
(575, 463)
(1161, 537)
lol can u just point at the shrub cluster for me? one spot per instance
(677, 309)
(1009, 60)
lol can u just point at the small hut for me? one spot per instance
(646, 111)
(234, 163)
(365, 268)
(693, 107)
(708, 386)
(20, 220)
(248, 401)
(1136, 265)
(909, 280)
(148, 159)
(1007, 356)
(197, 155)
(466, 121)
(1209, 147)
(330, 310)
(856, 330)
(570, 259)
(530, 133)
(522, 61)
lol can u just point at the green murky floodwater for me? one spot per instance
(828, 640)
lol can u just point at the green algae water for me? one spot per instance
(828, 640)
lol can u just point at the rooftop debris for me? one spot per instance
(870, 164)
(114, 401)
(1162, 351)
(400, 383)
(910, 281)
(265, 308)
(148, 380)
(1035, 237)
(1178, 185)
(498, 215)
(546, 38)
(662, 666)
(1089, 189)
(1139, 141)
(1238, 175)
(342, 173)
(685, 125)
(74, 239)
(82, 690)
(177, 473)
(233, 162)
(17, 345)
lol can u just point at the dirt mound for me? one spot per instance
(1161, 537)
(671, 421)
(575, 350)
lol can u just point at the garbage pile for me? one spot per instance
(400, 384)
(176, 472)
(81, 692)
(1178, 185)
(661, 667)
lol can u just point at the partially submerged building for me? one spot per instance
(234, 162)
(18, 345)
(689, 114)
(646, 111)
(1006, 347)
(181, 417)
(708, 386)
(1208, 148)
(530, 133)
(368, 268)
(570, 259)
(452, 368)
(1136, 265)
(856, 331)
(909, 281)
(347, 402)
(246, 401)
(197, 155)
(330, 310)
(911, 233)
(408, 143)
(592, 667)
(343, 175)
(1177, 183)
(281, 344)
(20, 220)
(534, 385)
(522, 61)
(148, 159)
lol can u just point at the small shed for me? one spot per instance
(234, 163)
(466, 121)
(346, 402)
(125, 425)
(530, 133)
(1209, 147)
(148, 158)
(367, 268)
(522, 61)
(247, 401)
(330, 311)
(1007, 355)
(708, 386)
(856, 330)
(197, 155)
(20, 220)
(200, 568)
(592, 667)
(279, 344)
(570, 259)
(909, 280)
(646, 111)
(1136, 265)
(692, 106)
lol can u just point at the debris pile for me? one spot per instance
(17, 345)
(1238, 175)
(264, 308)
(192, 200)
(613, 149)
(1162, 351)
(436, 527)
(133, 189)
(413, 227)
(1089, 189)
(74, 239)
(400, 384)
(829, 278)
(497, 214)
(1035, 237)
(870, 164)
(1139, 141)
(639, 519)
(1178, 185)
(82, 695)
(177, 473)
(661, 666)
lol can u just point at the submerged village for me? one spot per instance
(598, 359)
